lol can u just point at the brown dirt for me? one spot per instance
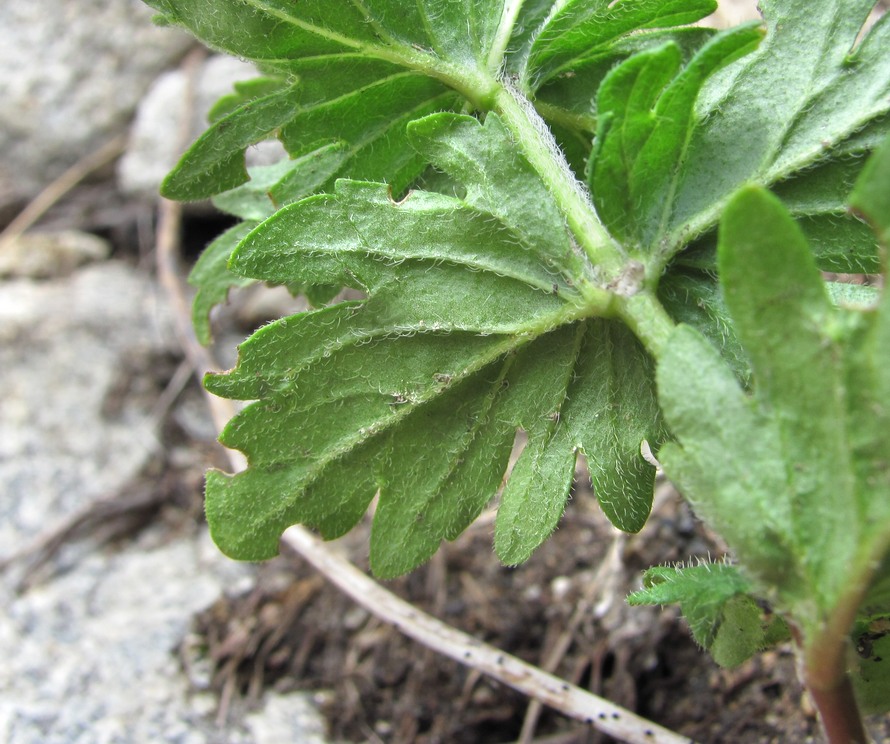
(294, 632)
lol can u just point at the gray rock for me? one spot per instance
(72, 75)
(64, 346)
(155, 139)
(42, 255)
(90, 656)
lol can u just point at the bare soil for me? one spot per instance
(294, 632)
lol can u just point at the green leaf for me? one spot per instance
(213, 279)
(244, 92)
(818, 200)
(594, 395)
(579, 29)
(569, 98)
(871, 197)
(694, 298)
(802, 464)
(786, 107)
(646, 118)
(871, 676)
(273, 186)
(269, 188)
(714, 599)
(474, 327)
(364, 106)
(215, 163)
(356, 74)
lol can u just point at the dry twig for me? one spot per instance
(61, 186)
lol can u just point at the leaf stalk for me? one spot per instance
(542, 151)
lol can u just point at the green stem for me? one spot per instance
(648, 319)
(622, 279)
(505, 31)
(547, 159)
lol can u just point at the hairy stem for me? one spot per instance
(546, 158)
(505, 31)
(629, 292)
(648, 319)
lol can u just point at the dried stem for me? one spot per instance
(61, 186)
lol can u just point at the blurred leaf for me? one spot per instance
(871, 197)
(820, 384)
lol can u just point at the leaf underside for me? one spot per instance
(419, 390)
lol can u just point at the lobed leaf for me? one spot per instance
(474, 327)
(714, 598)
(269, 187)
(646, 118)
(577, 30)
(787, 107)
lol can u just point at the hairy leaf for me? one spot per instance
(569, 98)
(274, 186)
(474, 327)
(801, 464)
(645, 120)
(357, 74)
(269, 188)
(786, 107)
(577, 30)
(714, 599)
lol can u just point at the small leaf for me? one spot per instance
(646, 117)
(355, 74)
(714, 599)
(569, 98)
